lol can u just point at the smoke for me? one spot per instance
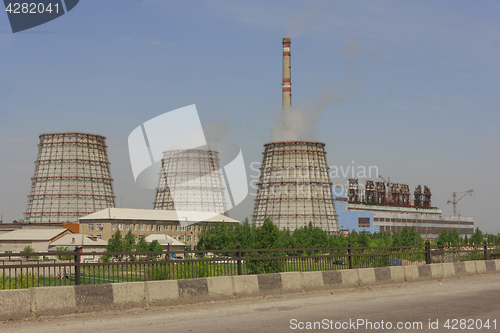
(298, 22)
(214, 131)
(298, 123)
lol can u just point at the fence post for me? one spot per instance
(350, 255)
(169, 248)
(77, 265)
(239, 260)
(428, 253)
(485, 251)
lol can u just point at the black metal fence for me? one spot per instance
(20, 270)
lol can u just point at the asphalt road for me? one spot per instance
(414, 305)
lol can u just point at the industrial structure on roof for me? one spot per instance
(191, 180)
(294, 186)
(388, 207)
(71, 178)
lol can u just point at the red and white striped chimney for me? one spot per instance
(287, 83)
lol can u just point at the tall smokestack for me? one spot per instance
(287, 83)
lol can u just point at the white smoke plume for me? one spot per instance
(298, 123)
(298, 23)
(214, 131)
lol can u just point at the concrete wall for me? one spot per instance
(18, 304)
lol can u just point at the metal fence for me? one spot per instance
(23, 270)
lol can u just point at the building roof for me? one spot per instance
(155, 215)
(163, 239)
(33, 234)
(80, 240)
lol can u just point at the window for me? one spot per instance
(147, 227)
(99, 227)
(158, 227)
(127, 227)
(165, 228)
(141, 227)
(8, 252)
(189, 238)
(194, 238)
(91, 227)
(363, 222)
(182, 228)
(112, 227)
(120, 227)
(171, 228)
(98, 236)
(181, 238)
(176, 228)
(188, 228)
(134, 227)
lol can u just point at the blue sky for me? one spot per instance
(415, 86)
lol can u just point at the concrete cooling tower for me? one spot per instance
(191, 180)
(71, 178)
(294, 187)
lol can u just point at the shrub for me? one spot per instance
(267, 265)
(63, 249)
(158, 272)
(192, 270)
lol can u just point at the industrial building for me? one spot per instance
(38, 239)
(71, 178)
(144, 222)
(373, 210)
(191, 180)
(294, 186)
(72, 241)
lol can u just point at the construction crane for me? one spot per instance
(455, 201)
(387, 181)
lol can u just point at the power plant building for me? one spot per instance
(71, 179)
(372, 209)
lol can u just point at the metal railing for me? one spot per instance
(20, 270)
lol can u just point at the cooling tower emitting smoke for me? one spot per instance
(71, 179)
(191, 180)
(294, 186)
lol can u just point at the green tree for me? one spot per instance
(267, 236)
(142, 245)
(28, 249)
(443, 237)
(477, 237)
(363, 239)
(154, 246)
(129, 242)
(115, 244)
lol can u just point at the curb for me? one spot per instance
(23, 303)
